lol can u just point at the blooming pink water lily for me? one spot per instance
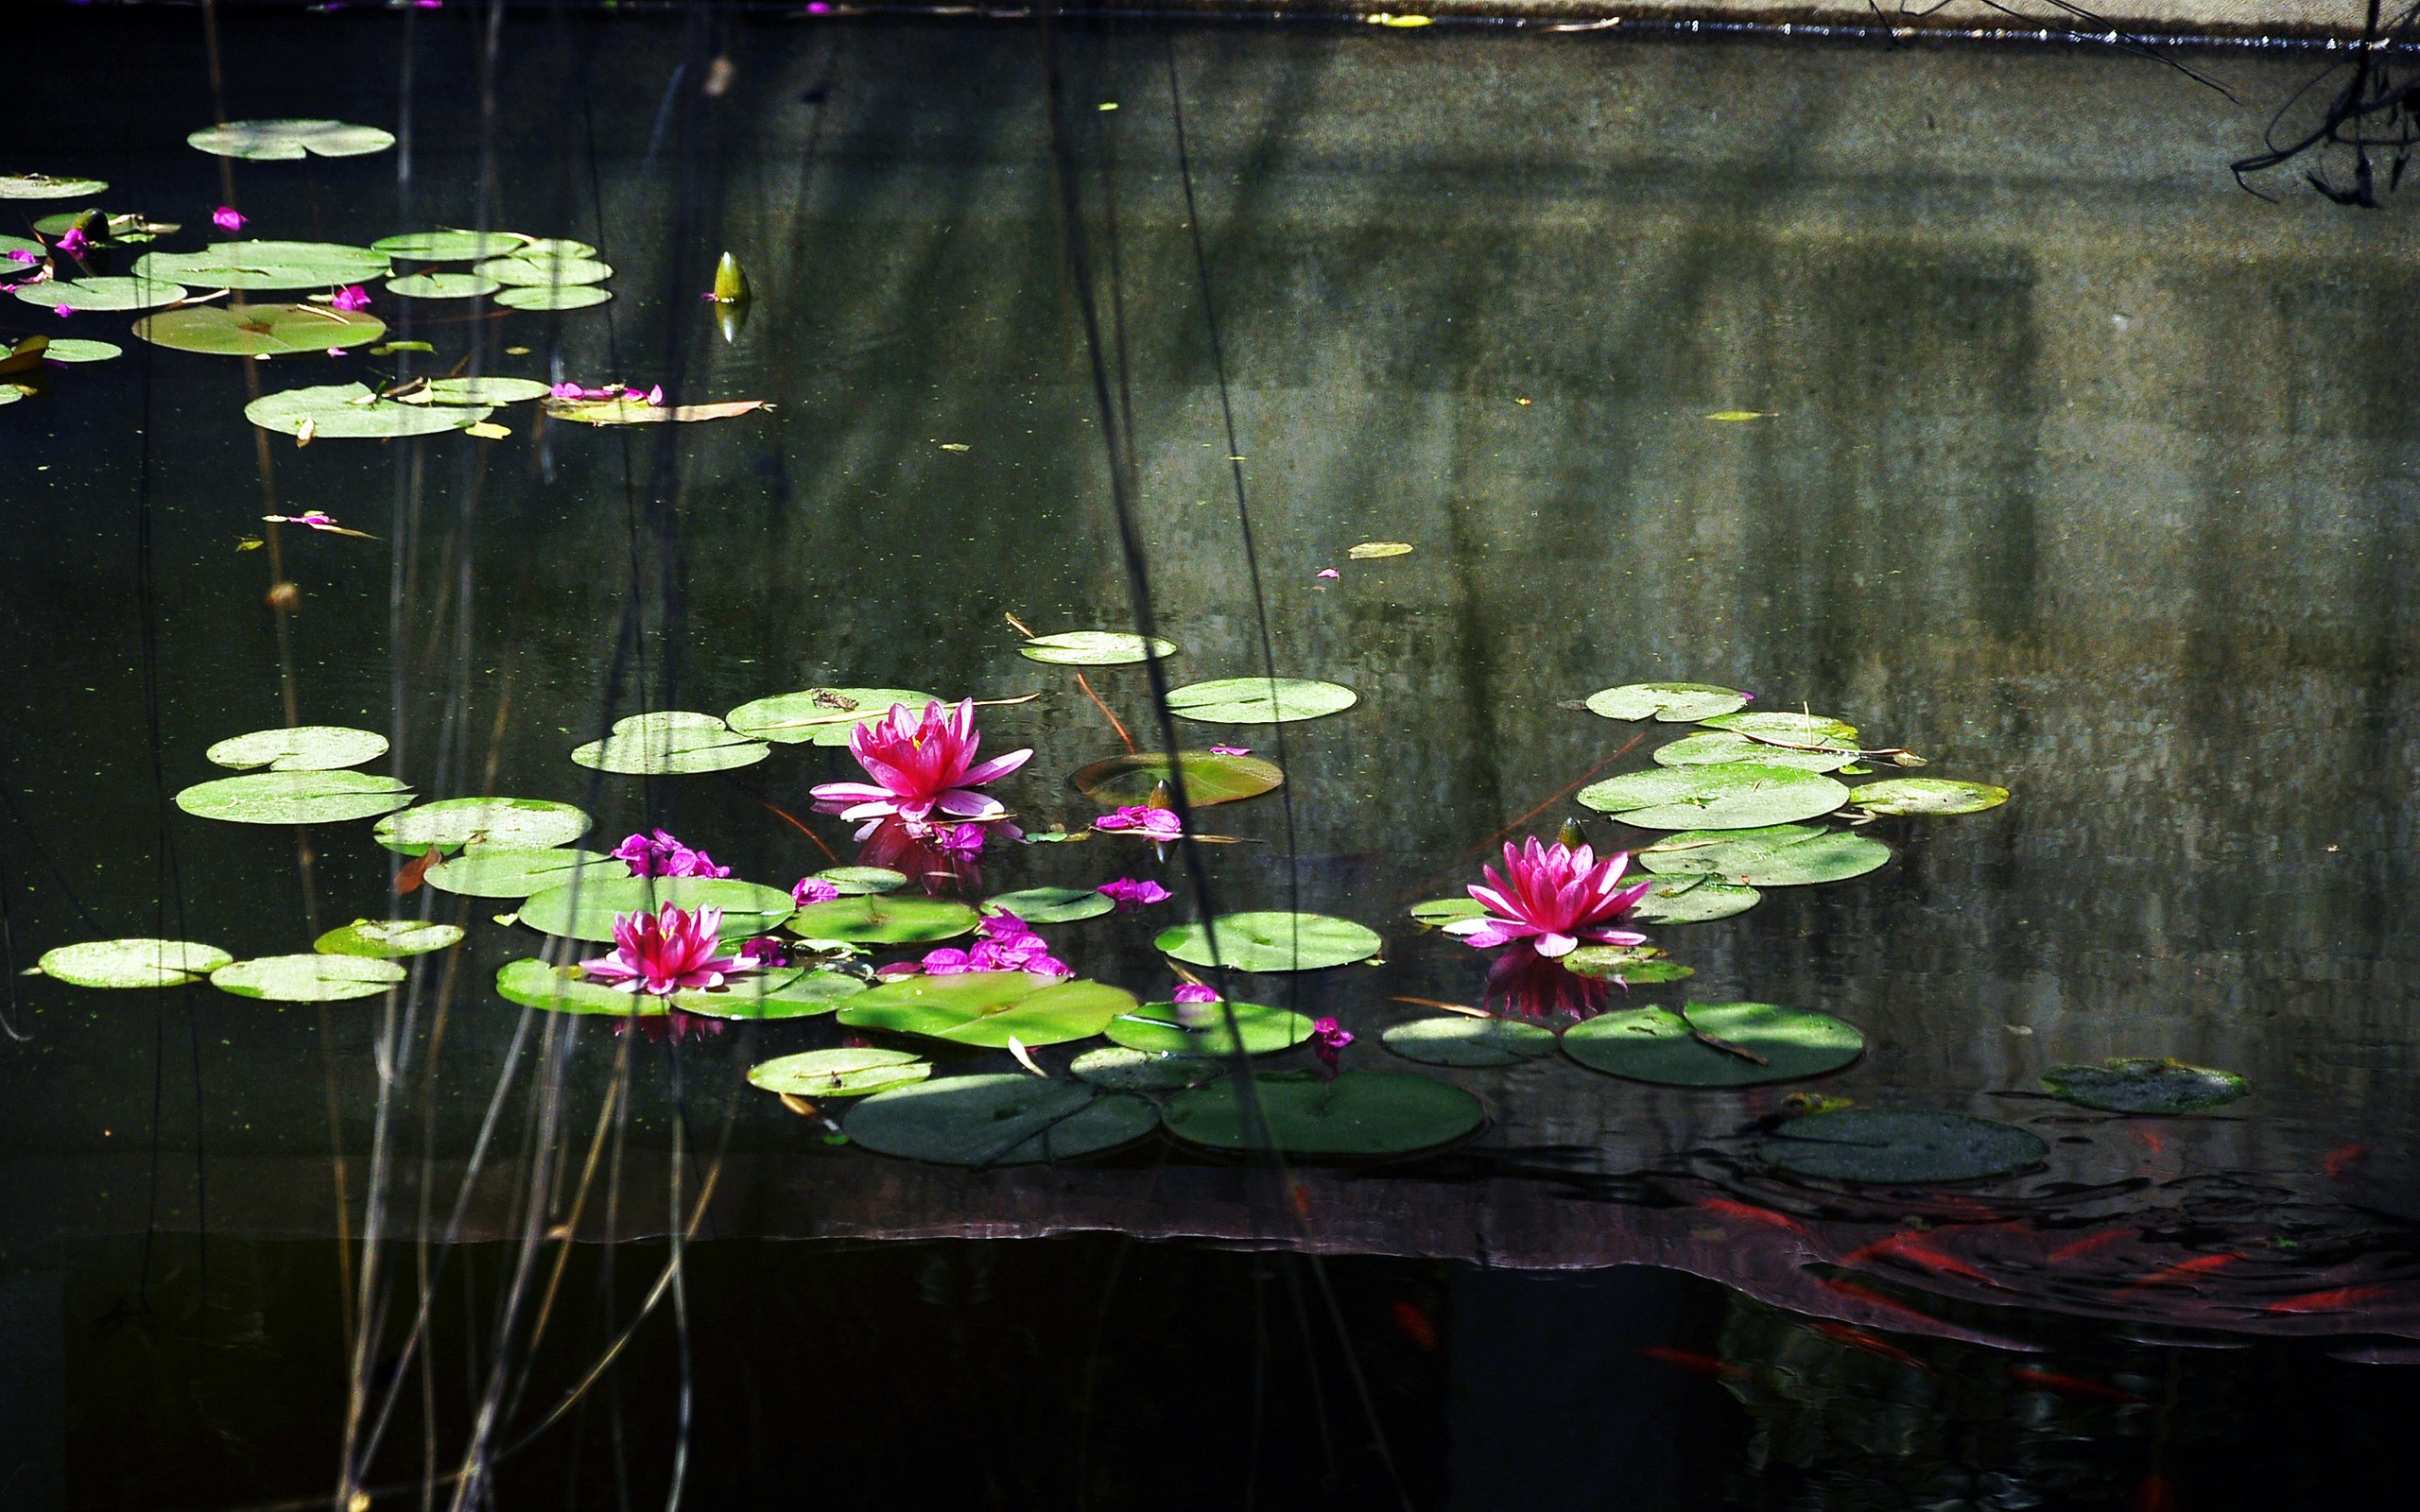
(1154, 824)
(226, 217)
(919, 765)
(351, 297)
(1328, 1039)
(662, 855)
(1129, 894)
(813, 890)
(1555, 897)
(667, 951)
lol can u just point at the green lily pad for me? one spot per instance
(1259, 700)
(287, 141)
(543, 272)
(265, 265)
(75, 349)
(1262, 1030)
(1051, 906)
(1691, 899)
(788, 993)
(10, 393)
(1715, 748)
(1141, 1071)
(1732, 795)
(49, 186)
(547, 247)
(387, 939)
(998, 1120)
(301, 748)
(2141, 1085)
(1792, 729)
(1899, 1145)
(1446, 910)
(822, 717)
(552, 297)
(448, 245)
(1780, 856)
(509, 871)
(308, 978)
(1272, 941)
(482, 824)
(259, 330)
(102, 293)
(748, 909)
(1631, 965)
(1677, 703)
(1094, 649)
(350, 411)
(533, 984)
(1928, 795)
(443, 285)
(858, 882)
(1359, 1113)
(878, 921)
(670, 743)
(11, 245)
(1121, 781)
(295, 798)
(1658, 1045)
(1460, 1041)
(132, 963)
(989, 1008)
(846, 1072)
(483, 390)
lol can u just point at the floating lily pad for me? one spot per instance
(1677, 703)
(10, 393)
(2144, 1086)
(670, 743)
(102, 293)
(295, 798)
(351, 411)
(259, 330)
(998, 1120)
(1779, 855)
(1051, 906)
(265, 265)
(1658, 1045)
(533, 984)
(856, 882)
(553, 296)
(1692, 900)
(1142, 1071)
(1271, 941)
(989, 1008)
(1633, 964)
(1900, 1146)
(289, 140)
(1122, 782)
(822, 716)
(783, 994)
(448, 245)
(1928, 795)
(518, 873)
(482, 824)
(1379, 550)
(1732, 795)
(443, 285)
(1459, 1041)
(1259, 700)
(748, 909)
(49, 186)
(387, 939)
(845, 1072)
(483, 390)
(308, 978)
(75, 349)
(1721, 746)
(1446, 910)
(870, 920)
(541, 247)
(1262, 1030)
(301, 748)
(529, 271)
(1359, 1113)
(1094, 649)
(631, 409)
(132, 963)
(1793, 729)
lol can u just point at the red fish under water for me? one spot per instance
(2067, 1385)
(1413, 1323)
(1696, 1364)
(2183, 1270)
(2090, 1243)
(1751, 1214)
(1859, 1339)
(1916, 1249)
(2343, 1159)
(2331, 1301)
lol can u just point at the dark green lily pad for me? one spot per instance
(288, 141)
(1096, 648)
(1271, 940)
(998, 1120)
(1446, 910)
(482, 824)
(387, 939)
(1928, 795)
(1901, 1145)
(1791, 728)
(669, 743)
(1691, 899)
(1142, 1071)
(75, 349)
(264, 266)
(509, 872)
(448, 245)
(1631, 965)
(132, 963)
(1263, 1030)
(350, 411)
(480, 390)
(1732, 795)
(1780, 856)
(1658, 1045)
(787, 993)
(1121, 781)
(1359, 1113)
(553, 296)
(546, 247)
(1051, 906)
(259, 330)
(989, 1008)
(1672, 702)
(1460, 1041)
(308, 978)
(822, 717)
(295, 798)
(1715, 748)
(2141, 1085)
(844, 1072)
(882, 920)
(102, 293)
(748, 909)
(533, 984)
(443, 285)
(531, 271)
(858, 882)
(49, 186)
(301, 748)
(1259, 700)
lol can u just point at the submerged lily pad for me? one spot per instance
(1779, 855)
(822, 716)
(846, 1072)
(509, 871)
(1459, 1041)
(287, 141)
(1723, 746)
(1359, 1113)
(1672, 702)
(1928, 795)
(77, 349)
(132, 963)
(989, 1008)
(443, 285)
(533, 984)
(259, 330)
(102, 293)
(1792, 729)
(1051, 906)
(881, 921)
(301, 748)
(1900, 1146)
(1262, 1030)
(1271, 940)
(448, 245)
(552, 297)
(1664, 1047)
(265, 265)
(481, 824)
(387, 939)
(295, 798)
(481, 390)
(670, 743)
(998, 1120)
(788, 993)
(1689, 899)
(1631, 965)
(2141, 1085)
(1142, 1071)
(308, 978)
(855, 881)
(1096, 648)
(746, 908)
(1259, 700)
(49, 186)
(1730, 796)
(543, 272)
(351, 411)
(1121, 781)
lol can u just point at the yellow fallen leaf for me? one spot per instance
(488, 430)
(1740, 414)
(954, 446)
(249, 543)
(1371, 550)
(1382, 19)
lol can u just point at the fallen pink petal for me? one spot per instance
(227, 219)
(1129, 893)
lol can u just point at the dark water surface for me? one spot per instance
(2082, 472)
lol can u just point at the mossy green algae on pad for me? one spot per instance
(1007, 1118)
(1907, 1145)
(132, 963)
(989, 1008)
(295, 798)
(2144, 1085)
(1270, 941)
(1360, 1113)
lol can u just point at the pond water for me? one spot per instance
(1956, 393)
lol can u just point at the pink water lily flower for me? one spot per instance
(226, 217)
(813, 890)
(1155, 824)
(667, 951)
(1328, 1039)
(73, 242)
(1193, 1001)
(1129, 894)
(662, 855)
(1555, 897)
(351, 297)
(919, 763)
